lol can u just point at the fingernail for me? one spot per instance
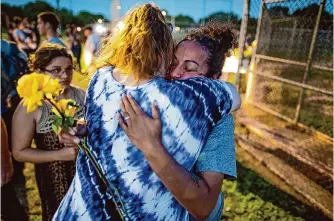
(70, 131)
(76, 140)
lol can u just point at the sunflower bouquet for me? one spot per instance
(37, 88)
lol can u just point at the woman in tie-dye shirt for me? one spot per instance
(130, 63)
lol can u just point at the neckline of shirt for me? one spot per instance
(111, 68)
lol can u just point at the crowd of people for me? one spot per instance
(158, 121)
(27, 35)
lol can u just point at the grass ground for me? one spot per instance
(253, 197)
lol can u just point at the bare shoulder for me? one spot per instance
(21, 113)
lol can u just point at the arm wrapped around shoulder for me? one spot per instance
(236, 99)
(218, 97)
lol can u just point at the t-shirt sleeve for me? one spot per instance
(218, 154)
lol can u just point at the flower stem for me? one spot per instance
(55, 106)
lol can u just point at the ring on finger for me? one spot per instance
(127, 117)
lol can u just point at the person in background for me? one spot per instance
(18, 33)
(47, 24)
(54, 164)
(7, 25)
(10, 31)
(13, 66)
(29, 32)
(69, 37)
(23, 42)
(36, 32)
(76, 48)
(73, 43)
(92, 45)
(11, 209)
(27, 29)
(249, 40)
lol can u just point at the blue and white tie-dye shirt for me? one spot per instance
(188, 109)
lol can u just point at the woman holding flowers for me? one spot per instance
(34, 117)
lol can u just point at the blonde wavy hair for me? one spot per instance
(142, 47)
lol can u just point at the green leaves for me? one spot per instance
(56, 123)
(65, 123)
(70, 121)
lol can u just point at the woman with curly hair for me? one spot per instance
(54, 163)
(150, 181)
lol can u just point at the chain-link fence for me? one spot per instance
(290, 77)
(293, 74)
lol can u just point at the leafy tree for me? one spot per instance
(85, 18)
(67, 17)
(32, 9)
(180, 20)
(11, 11)
(311, 10)
(310, 13)
(279, 11)
(223, 16)
(183, 20)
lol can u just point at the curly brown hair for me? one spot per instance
(217, 39)
(45, 54)
(142, 46)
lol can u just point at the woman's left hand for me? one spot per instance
(143, 131)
